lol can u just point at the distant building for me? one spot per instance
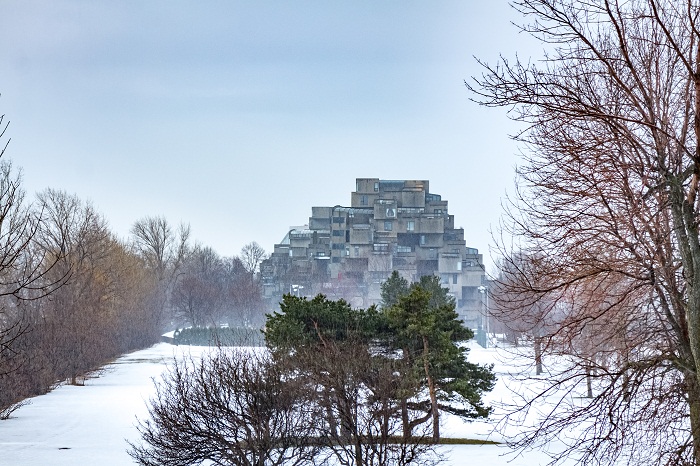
(347, 252)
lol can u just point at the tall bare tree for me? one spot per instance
(24, 276)
(607, 210)
(199, 295)
(164, 251)
(81, 308)
(163, 248)
(520, 311)
(251, 256)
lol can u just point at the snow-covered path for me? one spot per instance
(89, 425)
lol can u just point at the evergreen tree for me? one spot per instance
(316, 322)
(439, 295)
(316, 336)
(423, 324)
(393, 288)
(352, 375)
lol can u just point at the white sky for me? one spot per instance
(238, 117)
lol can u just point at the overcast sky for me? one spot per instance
(238, 117)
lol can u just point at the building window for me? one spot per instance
(387, 226)
(380, 247)
(363, 200)
(347, 251)
(376, 186)
(410, 225)
(391, 212)
(357, 251)
(454, 279)
(459, 265)
(422, 239)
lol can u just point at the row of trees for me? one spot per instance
(73, 295)
(354, 386)
(195, 286)
(211, 290)
(606, 223)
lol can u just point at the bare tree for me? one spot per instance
(251, 256)
(13, 359)
(101, 310)
(130, 298)
(608, 209)
(360, 396)
(233, 407)
(77, 311)
(522, 313)
(164, 252)
(162, 248)
(24, 277)
(244, 303)
(199, 295)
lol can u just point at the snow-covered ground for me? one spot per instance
(90, 424)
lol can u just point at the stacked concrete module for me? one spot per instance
(347, 252)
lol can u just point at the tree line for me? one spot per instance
(73, 295)
(336, 385)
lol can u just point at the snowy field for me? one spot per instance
(89, 425)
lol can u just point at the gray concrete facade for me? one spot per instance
(347, 252)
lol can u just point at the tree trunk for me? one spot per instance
(385, 421)
(686, 232)
(330, 418)
(693, 390)
(407, 430)
(407, 427)
(538, 355)
(359, 461)
(589, 384)
(432, 390)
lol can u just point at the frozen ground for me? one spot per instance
(89, 425)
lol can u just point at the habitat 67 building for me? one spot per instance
(348, 252)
